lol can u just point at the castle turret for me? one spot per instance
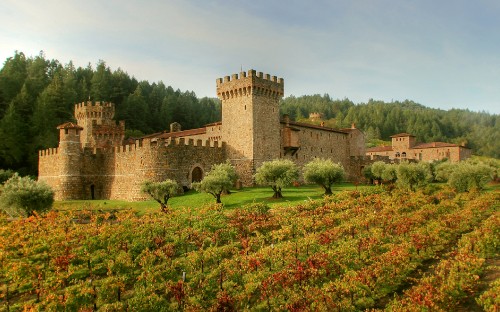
(69, 184)
(99, 128)
(250, 119)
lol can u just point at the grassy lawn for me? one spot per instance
(237, 198)
(192, 199)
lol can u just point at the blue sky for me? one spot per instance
(443, 54)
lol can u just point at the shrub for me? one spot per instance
(25, 196)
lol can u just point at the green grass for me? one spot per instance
(237, 198)
(192, 199)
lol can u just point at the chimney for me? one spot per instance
(286, 119)
(353, 126)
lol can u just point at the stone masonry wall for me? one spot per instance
(250, 119)
(117, 173)
(318, 143)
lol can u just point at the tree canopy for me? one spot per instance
(277, 174)
(161, 191)
(324, 172)
(379, 120)
(219, 179)
(38, 94)
(23, 196)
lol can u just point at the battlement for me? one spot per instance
(48, 152)
(153, 143)
(94, 104)
(96, 109)
(251, 83)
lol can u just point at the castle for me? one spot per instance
(92, 160)
(405, 147)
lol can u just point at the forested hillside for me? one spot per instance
(37, 94)
(380, 120)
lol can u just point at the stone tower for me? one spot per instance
(250, 119)
(99, 128)
(70, 160)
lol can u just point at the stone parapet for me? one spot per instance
(252, 83)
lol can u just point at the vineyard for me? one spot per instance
(353, 251)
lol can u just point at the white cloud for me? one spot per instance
(436, 53)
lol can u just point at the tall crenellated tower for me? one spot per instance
(99, 128)
(69, 166)
(250, 119)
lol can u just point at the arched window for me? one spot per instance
(403, 154)
(397, 154)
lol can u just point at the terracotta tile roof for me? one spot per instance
(384, 148)
(433, 145)
(218, 123)
(69, 125)
(183, 133)
(404, 134)
(306, 125)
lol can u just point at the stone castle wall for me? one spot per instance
(117, 173)
(318, 143)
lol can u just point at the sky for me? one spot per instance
(442, 54)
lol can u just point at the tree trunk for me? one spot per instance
(217, 199)
(163, 207)
(328, 190)
(277, 192)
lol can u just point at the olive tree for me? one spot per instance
(324, 172)
(218, 180)
(390, 173)
(413, 175)
(468, 176)
(378, 168)
(161, 191)
(23, 196)
(444, 170)
(277, 174)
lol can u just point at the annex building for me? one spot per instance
(93, 161)
(405, 147)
